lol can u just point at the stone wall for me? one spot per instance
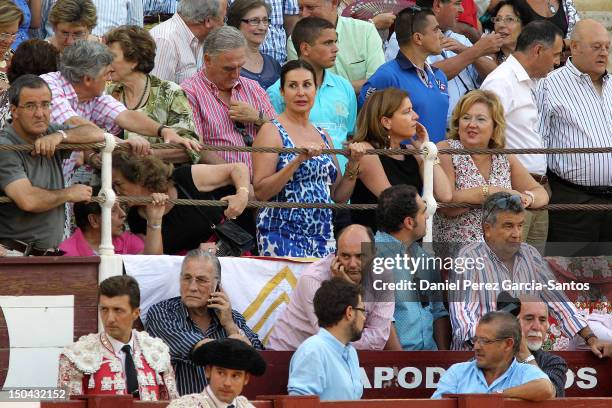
(600, 10)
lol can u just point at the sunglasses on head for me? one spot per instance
(512, 202)
(246, 137)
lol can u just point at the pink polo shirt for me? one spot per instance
(125, 244)
(298, 321)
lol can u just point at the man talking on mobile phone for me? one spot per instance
(298, 320)
(202, 313)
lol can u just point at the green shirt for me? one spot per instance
(168, 105)
(360, 50)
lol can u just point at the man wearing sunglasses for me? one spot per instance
(495, 368)
(506, 260)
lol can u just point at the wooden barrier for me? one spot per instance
(284, 401)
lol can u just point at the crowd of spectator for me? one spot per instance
(301, 73)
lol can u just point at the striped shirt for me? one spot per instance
(114, 13)
(211, 114)
(573, 114)
(101, 110)
(169, 320)
(179, 53)
(529, 266)
(152, 7)
(275, 44)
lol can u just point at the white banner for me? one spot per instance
(257, 288)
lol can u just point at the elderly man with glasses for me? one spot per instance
(202, 313)
(503, 263)
(495, 368)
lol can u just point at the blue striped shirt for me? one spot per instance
(152, 7)
(275, 44)
(114, 13)
(469, 305)
(574, 114)
(170, 321)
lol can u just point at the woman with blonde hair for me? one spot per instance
(478, 122)
(387, 121)
(10, 19)
(72, 20)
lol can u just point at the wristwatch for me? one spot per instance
(260, 120)
(528, 359)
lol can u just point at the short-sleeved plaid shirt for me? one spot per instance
(101, 110)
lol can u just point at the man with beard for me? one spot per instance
(534, 325)
(495, 368)
(326, 364)
(298, 320)
(502, 259)
(421, 320)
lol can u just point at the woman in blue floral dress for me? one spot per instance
(303, 178)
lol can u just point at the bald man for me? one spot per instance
(298, 321)
(534, 326)
(575, 105)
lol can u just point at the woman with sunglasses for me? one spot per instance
(252, 18)
(299, 178)
(478, 122)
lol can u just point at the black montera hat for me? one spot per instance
(229, 353)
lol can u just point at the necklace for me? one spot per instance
(144, 92)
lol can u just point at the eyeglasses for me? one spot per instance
(484, 342)
(512, 202)
(32, 107)
(246, 137)
(412, 11)
(7, 36)
(361, 309)
(79, 35)
(506, 20)
(256, 21)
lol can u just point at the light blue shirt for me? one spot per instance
(325, 367)
(467, 378)
(413, 320)
(114, 13)
(334, 109)
(465, 81)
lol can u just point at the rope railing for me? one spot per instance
(134, 200)
(384, 152)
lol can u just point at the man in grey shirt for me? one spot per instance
(34, 222)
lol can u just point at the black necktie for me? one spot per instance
(130, 371)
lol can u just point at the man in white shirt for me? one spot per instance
(575, 106)
(538, 50)
(115, 13)
(180, 40)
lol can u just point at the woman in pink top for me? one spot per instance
(86, 239)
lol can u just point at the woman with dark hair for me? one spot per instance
(561, 13)
(183, 227)
(307, 177)
(86, 239)
(72, 20)
(165, 102)
(33, 56)
(252, 18)
(386, 121)
(508, 21)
